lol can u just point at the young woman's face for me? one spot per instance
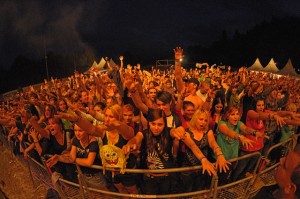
(188, 112)
(109, 117)
(219, 107)
(233, 118)
(79, 133)
(62, 106)
(55, 126)
(47, 112)
(157, 126)
(202, 121)
(260, 106)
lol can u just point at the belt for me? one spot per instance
(154, 175)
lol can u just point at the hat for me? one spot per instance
(193, 80)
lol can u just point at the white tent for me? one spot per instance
(271, 67)
(112, 63)
(94, 65)
(288, 69)
(256, 66)
(101, 64)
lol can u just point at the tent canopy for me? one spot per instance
(288, 69)
(256, 66)
(271, 67)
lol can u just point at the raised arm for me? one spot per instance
(234, 135)
(178, 55)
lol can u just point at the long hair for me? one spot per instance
(196, 116)
(217, 100)
(155, 114)
(116, 110)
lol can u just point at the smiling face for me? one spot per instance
(188, 112)
(218, 107)
(157, 126)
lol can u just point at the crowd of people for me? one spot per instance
(159, 119)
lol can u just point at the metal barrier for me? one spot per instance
(266, 174)
(239, 188)
(208, 193)
(262, 175)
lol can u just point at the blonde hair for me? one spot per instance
(116, 110)
(196, 116)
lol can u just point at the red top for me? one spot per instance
(259, 126)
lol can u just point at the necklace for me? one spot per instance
(85, 142)
(113, 138)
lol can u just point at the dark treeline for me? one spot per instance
(278, 39)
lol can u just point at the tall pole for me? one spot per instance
(46, 62)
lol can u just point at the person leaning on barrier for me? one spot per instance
(85, 153)
(198, 139)
(113, 132)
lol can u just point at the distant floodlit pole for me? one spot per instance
(46, 63)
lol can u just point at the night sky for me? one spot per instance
(110, 27)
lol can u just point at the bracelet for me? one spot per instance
(237, 137)
(220, 154)
(35, 141)
(217, 148)
(202, 159)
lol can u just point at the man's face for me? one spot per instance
(190, 87)
(84, 97)
(166, 107)
(286, 168)
(204, 88)
(152, 94)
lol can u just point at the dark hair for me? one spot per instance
(32, 110)
(52, 109)
(164, 96)
(217, 100)
(185, 104)
(155, 114)
(254, 102)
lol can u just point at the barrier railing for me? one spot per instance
(266, 173)
(262, 175)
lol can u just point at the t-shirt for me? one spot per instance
(150, 158)
(229, 146)
(84, 152)
(259, 126)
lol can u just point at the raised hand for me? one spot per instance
(178, 52)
